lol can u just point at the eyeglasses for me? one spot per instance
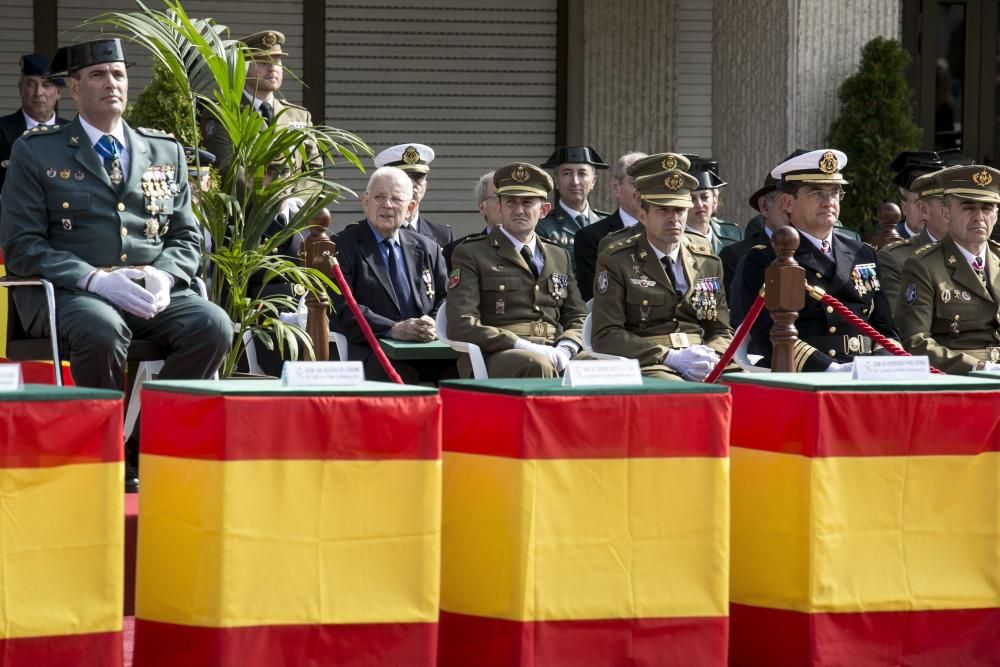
(823, 195)
(381, 199)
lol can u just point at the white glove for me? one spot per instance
(565, 350)
(834, 367)
(158, 283)
(990, 366)
(293, 204)
(556, 358)
(118, 288)
(693, 363)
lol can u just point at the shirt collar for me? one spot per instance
(531, 244)
(94, 135)
(30, 122)
(815, 241)
(908, 230)
(378, 235)
(572, 213)
(674, 254)
(970, 256)
(414, 219)
(627, 219)
(257, 102)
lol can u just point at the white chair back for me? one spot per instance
(471, 349)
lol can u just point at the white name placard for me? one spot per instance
(891, 368)
(602, 372)
(321, 373)
(10, 377)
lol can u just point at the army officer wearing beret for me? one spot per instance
(511, 292)
(658, 297)
(104, 212)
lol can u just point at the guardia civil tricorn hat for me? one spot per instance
(69, 59)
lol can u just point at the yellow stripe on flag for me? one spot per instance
(61, 546)
(238, 543)
(849, 534)
(571, 539)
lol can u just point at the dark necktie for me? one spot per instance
(526, 254)
(977, 266)
(824, 246)
(668, 267)
(108, 148)
(267, 111)
(581, 221)
(400, 285)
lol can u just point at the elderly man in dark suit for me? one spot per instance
(415, 160)
(39, 96)
(397, 276)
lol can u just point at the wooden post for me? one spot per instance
(889, 216)
(785, 296)
(319, 252)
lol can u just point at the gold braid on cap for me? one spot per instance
(410, 155)
(669, 162)
(269, 39)
(673, 181)
(520, 175)
(982, 179)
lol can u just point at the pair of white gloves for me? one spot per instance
(558, 354)
(693, 363)
(119, 287)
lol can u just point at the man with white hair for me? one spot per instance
(397, 276)
(488, 203)
(415, 160)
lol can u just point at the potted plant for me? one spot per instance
(209, 70)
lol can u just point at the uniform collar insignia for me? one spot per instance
(74, 140)
(951, 259)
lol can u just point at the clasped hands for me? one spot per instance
(558, 354)
(122, 289)
(693, 363)
(420, 329)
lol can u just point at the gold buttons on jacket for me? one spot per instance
(832, 353)
(537, 288)
(121, 206)
(645, 302)
(829, 309)
(832, 329)
(502, 287)
(124, 257)
(124, 232)
(65, 204)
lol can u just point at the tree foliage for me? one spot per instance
(165, 105)
(874, 125)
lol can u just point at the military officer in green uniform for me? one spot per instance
(949, 308)
(104, 212)
(927, 213)
(265, 75)
(702, 221)
(513, 293)
(657, 298)
(575, 170)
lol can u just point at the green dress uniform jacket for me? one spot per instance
(723, 234)
(945, 311)
(638, 313)
(559, 227)
(494, 299)
(890, 263)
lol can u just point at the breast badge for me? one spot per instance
(602, 282)
(910, 294)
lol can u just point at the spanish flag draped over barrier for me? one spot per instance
(865, 526)
(584, 526)
(61, 523)
(288, 526)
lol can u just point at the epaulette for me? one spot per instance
(549, 241)
(896, 244)
(924, 249)
(153, 132)
(42, 130)
(600, 214)
(615, 246)
(472, 237)
(286, 103)
(994, 244)
(699, 248)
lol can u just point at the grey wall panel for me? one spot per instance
(16, 38)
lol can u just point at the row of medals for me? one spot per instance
(158, 182)
(705, 299)
(865, 278)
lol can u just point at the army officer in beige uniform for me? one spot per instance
(657, 297)
(949, 307)
(513, 293)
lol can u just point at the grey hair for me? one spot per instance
(393, 173)
(482, 186)
(621, 165)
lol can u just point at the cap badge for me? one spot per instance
(673, 181)
(410, 155)
(519, 175)
(669, 162)
(982, 179)
(269, 39)
(828, 163)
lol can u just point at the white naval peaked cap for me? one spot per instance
(411, 158)
(819, 166)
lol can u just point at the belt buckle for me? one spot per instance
(993, 354)
(679, 340)
(538, 329)
(852, 344)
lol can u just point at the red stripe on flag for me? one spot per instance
(98, 648)
(586, 427)
(488, 642)
(841, 423)
(956, 637)
(291, 427)
(362, 645)
(43, 434)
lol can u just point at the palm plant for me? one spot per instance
(211, 68)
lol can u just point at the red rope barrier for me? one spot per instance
(741, 333)
(366, 329)
(859, 324)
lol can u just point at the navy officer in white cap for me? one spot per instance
(415, 160)
(811, 187)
